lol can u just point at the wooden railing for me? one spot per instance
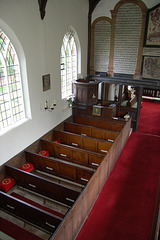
(151, 93)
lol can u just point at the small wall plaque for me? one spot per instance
(46, 82)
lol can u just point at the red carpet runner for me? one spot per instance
(125, 207)
(16, 232)
(150, 118)
(37, 205)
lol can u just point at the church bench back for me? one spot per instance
(30, 213)
(79, 141)
(73, 154)
(90, 131)
(114, 125)
(55, 191)
(61, 168)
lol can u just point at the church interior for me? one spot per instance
(79, 120)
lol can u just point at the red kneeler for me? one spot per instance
(44, 153)
(57, 141)
(7, 183)
(27, 167)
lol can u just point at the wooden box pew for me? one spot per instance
(93, 132)
(63, 169)
(44, 187)
(70, 153)
(80, 141)
(29, 213)
(114, 125)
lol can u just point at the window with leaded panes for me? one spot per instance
(68, 64)
(11, 97)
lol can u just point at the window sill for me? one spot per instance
(10, 128)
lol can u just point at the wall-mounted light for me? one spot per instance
(51, 107)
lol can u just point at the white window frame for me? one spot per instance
(69, 64)
(22, 78)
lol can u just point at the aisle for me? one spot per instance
(149, 121)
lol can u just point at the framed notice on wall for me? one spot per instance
(152, 35)
(46, 82)
(151, 67)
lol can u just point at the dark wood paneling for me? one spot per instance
(93, 132)
(114, 125)
(60, 168)
(43, 186)
(28, 212)
(70, 153)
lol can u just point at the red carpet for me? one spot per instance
(150, 118)
(125, 207)
(16, 232)
(37, 205)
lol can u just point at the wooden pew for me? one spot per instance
(28, 212)
(84, 201)
(90, 131)
(65, 152)
(43, 186)
(114, 125)
(60, 168)
(80, 141)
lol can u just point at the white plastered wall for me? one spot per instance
(40, 43)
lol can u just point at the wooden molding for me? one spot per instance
(137, 2)
(42, 6)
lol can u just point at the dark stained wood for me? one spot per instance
(86, 92)
(90, 131)
(79, 141)
(30, 213)
(139, 106)
(107, 113)
(92, 5)
(64, 166)
(43, 186)
(77, 215)
(114, 125)
(73, 154)
(42, 6)
(60, 168)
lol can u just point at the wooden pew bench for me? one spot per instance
(60, 168)
(80, 141)
(90, 131)
(114, 125)
(42, 186)
(29, 213)
(70, 153)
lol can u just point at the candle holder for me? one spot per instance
(49, 108)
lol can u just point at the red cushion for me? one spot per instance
(44, 153)
(7, 183)
(28, 167)
(57, 141)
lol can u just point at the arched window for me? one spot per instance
(11, 97)
(68, 64)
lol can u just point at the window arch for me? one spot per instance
(68, 64)
(11, 97)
